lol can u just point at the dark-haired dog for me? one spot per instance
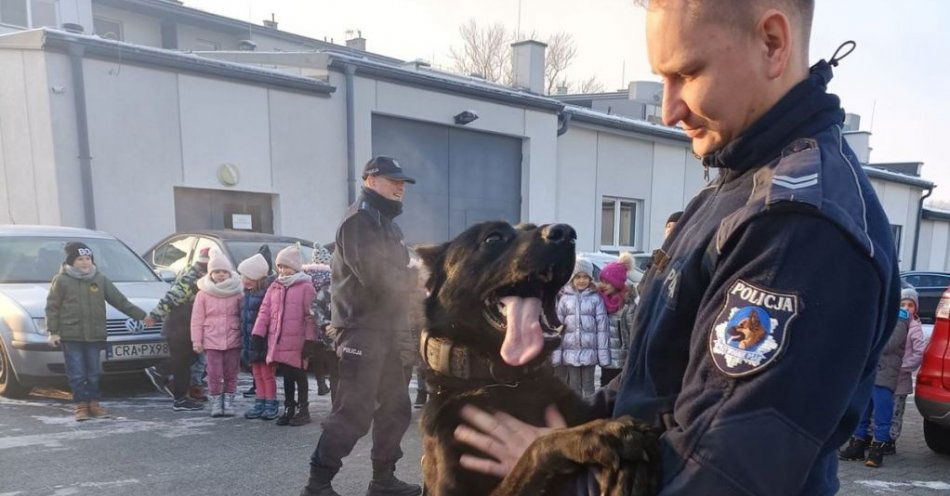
(491, 324)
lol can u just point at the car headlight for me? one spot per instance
(39, 326)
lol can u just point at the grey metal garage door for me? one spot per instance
(464, 177)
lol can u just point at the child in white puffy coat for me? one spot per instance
(585, 343)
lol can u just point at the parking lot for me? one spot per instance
(149, 450)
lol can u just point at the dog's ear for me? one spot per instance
(431, 256)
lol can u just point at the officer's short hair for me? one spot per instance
(742, 13)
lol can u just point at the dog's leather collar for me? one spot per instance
(449, 359)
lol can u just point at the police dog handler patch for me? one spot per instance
(751, 331)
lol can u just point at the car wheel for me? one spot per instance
(937, 437)
(10, 387)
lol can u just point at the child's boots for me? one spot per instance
(290, 409)
(271, 407)
(257, 410)
(217, 407)
(227, 405)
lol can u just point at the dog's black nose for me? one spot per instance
(558, 233)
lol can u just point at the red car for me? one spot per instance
(933, 382)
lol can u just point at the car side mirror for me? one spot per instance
(167, 275)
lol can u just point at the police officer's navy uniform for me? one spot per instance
(763, 314)
(370, 278)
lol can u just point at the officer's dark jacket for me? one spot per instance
(370, 267)
(764, 313)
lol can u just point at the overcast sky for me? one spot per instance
(899, 74)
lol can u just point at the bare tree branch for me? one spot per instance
(560, 53)
(486, 51)
(591, 85)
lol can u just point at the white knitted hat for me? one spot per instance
(254, 268)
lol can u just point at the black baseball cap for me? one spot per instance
(386, 167)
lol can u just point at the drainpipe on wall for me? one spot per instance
(349, 71)
(82, 134)
(563, 121)
(920, 214)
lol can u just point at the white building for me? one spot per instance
(174, 119)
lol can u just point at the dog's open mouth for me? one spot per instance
(526, 321)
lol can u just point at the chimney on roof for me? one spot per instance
(271, 23)
(527, 65)
(852, 122)
(860, 142)
(358, 43)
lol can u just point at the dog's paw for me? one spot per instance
(623, 454)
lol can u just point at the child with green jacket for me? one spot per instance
(76, 319)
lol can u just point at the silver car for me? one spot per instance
(29, 257)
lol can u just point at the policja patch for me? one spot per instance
(751, 331)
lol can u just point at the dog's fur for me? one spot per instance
(467, 276)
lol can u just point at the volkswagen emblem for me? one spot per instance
(134, 326)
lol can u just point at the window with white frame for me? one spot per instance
(621, 224)
(29, 13)
(108, 28)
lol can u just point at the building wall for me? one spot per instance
(153, 130)
(577, 184)
(135, 136)
(934, 240)
(65, 141)
(28, 187)
(594, 162)
(900, 202)
(136, 28)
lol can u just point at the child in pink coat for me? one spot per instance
(913, 356)
(285, 328)
(216, 331)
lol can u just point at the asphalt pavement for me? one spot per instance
(149, 450)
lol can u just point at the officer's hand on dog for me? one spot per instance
(500, 436)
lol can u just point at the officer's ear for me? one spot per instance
(776, 36)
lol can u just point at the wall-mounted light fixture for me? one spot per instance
(465, 117)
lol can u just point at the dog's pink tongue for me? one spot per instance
(523, 339)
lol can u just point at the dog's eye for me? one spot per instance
(493, 238)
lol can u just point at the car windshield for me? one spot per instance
(242, 250)
(38, 259)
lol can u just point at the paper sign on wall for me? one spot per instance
(242, 221)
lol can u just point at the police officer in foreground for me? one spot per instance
(368, 310)
(766, 309)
